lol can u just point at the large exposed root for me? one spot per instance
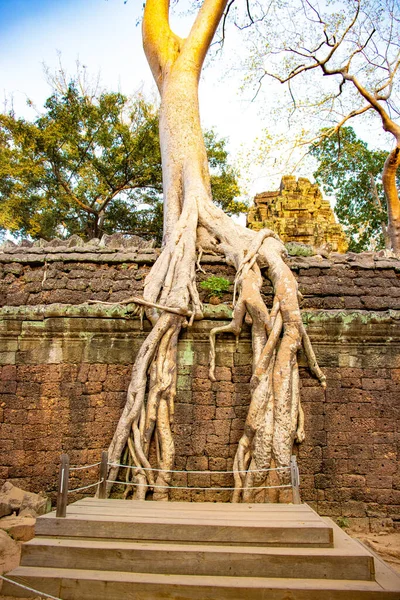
(275, 418)
(171, 297)
(192, 223)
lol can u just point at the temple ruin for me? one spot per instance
(297, 212)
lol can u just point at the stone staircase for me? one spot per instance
(113, 549)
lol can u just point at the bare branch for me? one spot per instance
(228, 8)
(248, 11)
(69, 191)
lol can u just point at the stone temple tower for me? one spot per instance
(298, 213)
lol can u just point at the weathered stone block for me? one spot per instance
(355, 509)
(356, 524)
(197, 463)
(330, 509)
(224, 359)
(373, 384)
(227, 386)
(217, 464)
(184, 383)
(203, 397)
(223, 374)
(313, 394)
(200, 372)
(7, 358)
(353, 480)
(204, 413)
(224, 413)
(381, 524)
(201, 385)
(220, 450)
(198, 442)
(184, 413)
(199, 480)
(224, 399)
(377, 511)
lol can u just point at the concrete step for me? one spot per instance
(213, 524)
(346, 561)
(78, 584)
(108, 550)
(193, 507)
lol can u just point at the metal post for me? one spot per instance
(102, 489)
(62, 493)
(295, 478)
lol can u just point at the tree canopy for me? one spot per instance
(91, 164)
(356, 50)
(352, 172)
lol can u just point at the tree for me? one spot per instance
(91, 164)
(192, 222)
(357, 50)
(353, 174)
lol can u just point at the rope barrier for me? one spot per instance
(85, 487)
(84, 467)
(179, 487)
(25, 587)
(197, 472)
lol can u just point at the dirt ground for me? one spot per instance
(386, 545)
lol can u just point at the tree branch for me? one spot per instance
(202, 32)
(160, 44)
(388, 124)
(119, 189)
(69, 192)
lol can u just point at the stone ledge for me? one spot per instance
(17, 254)
(221, 312)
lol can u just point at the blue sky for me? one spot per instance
(103, 36)
(15, 11)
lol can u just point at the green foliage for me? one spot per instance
(351, 172)
(91, 164)
(343, 522)
(215, 286)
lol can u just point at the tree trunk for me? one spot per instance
(192, 222)
(392, 197)
(377, 202)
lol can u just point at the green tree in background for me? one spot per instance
(91, 164)
(352, 173)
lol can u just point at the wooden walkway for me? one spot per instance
(113, 549)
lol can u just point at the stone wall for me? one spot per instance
(66, 367)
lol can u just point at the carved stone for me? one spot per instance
(297, 212)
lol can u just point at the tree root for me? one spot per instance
(148, 413)
(141, 302)
(275, 418)
(192, 223)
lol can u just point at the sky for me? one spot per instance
(103, 36)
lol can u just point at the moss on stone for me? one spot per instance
(297, 249)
